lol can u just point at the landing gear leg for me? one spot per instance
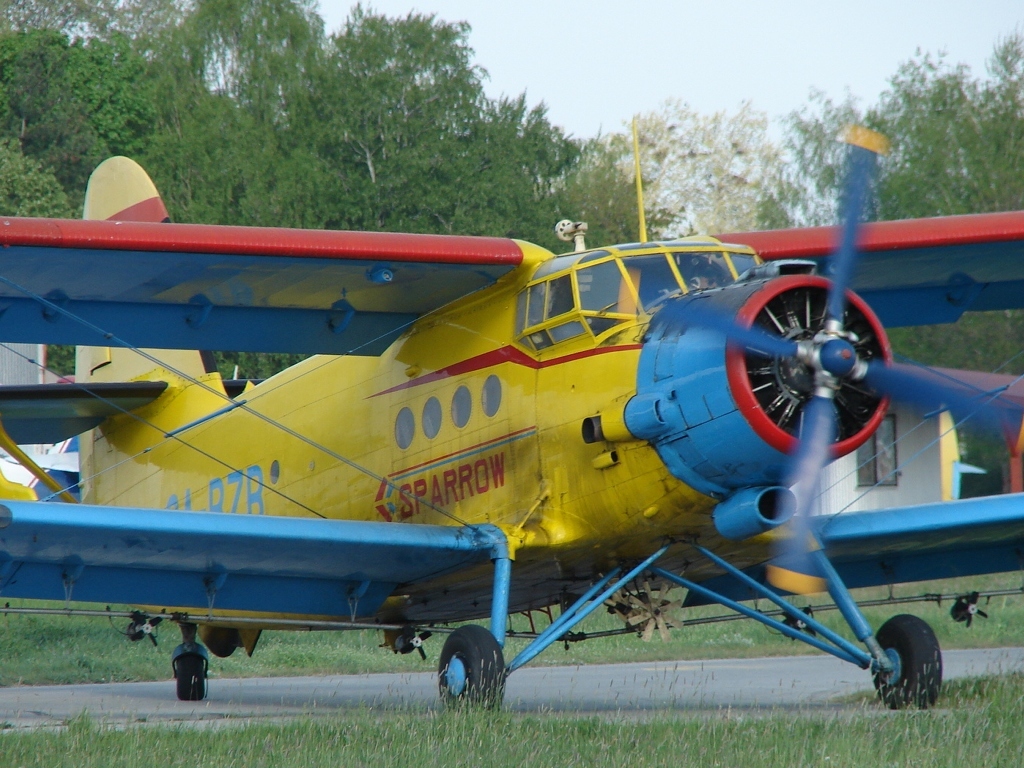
(190, 662)
(471, 669)
(917, 677)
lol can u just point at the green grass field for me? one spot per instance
(979, 724)
(57, 649)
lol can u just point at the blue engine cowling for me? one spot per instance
(722, 418)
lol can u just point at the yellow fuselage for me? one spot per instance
(328, 437)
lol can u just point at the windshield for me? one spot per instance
(702, 270)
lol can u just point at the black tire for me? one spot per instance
(190, 674)
(920, 677)
(484, 663)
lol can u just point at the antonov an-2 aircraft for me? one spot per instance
(487, 428)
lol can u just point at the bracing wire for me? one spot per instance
(110, 339)
(984, 398)
(167, 438)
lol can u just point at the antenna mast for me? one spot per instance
(639, 184)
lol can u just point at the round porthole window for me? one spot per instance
(462, 406)
(431, 417)
(491, 397)
(405, 428)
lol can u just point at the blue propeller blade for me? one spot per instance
(932, 392)
(680, 315)
(792, 561)
(861, 167)
(817, 433)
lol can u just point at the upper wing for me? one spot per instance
(206, 561)
(189, 286)
(919, 271)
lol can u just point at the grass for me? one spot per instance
(55, 649)
(978, 725)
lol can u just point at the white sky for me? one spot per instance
(595, 63)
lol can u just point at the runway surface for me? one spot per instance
(799, 682)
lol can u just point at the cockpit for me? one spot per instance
(594, 292)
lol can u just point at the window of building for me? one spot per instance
(876, 459)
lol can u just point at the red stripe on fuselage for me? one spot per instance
(460, 452)
(507, 354)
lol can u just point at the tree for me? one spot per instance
(958, 141)
(701, 173)
(70, 106)
(706, 171)
(804, 190)
(600, 193)
(136, 19)
(27, 189)
(403, 137)
(957, 144)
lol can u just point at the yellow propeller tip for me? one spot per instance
(867, 139)
(794, 581)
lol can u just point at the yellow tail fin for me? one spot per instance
(120, 190)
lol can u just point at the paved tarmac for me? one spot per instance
(813, 683)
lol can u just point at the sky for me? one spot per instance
(596, 63)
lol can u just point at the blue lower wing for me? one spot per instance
(198, 560)
(930, 541)
(906, 544)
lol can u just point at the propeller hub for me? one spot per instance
(837, 356)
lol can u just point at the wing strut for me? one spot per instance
(40, 474)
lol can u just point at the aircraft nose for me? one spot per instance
(724, 417)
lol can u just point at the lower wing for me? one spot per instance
(208, 561)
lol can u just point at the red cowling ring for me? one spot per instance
(739, 382)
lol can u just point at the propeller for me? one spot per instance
(966, 608)
(648, 610)
(831, 358)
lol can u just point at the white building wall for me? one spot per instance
(21, 363)
(918, 481)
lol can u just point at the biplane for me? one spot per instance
(486, 428)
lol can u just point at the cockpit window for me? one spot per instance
(560, 299)
(556, 265)
(535, 313)
(702, 270)
(742, 262)
(653, 278)
(603, 290)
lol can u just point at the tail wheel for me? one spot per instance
(471, 669)
(190, 674)
(918, 676)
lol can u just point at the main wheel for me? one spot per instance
(190, 674)
(918, 676)
(471, 669)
